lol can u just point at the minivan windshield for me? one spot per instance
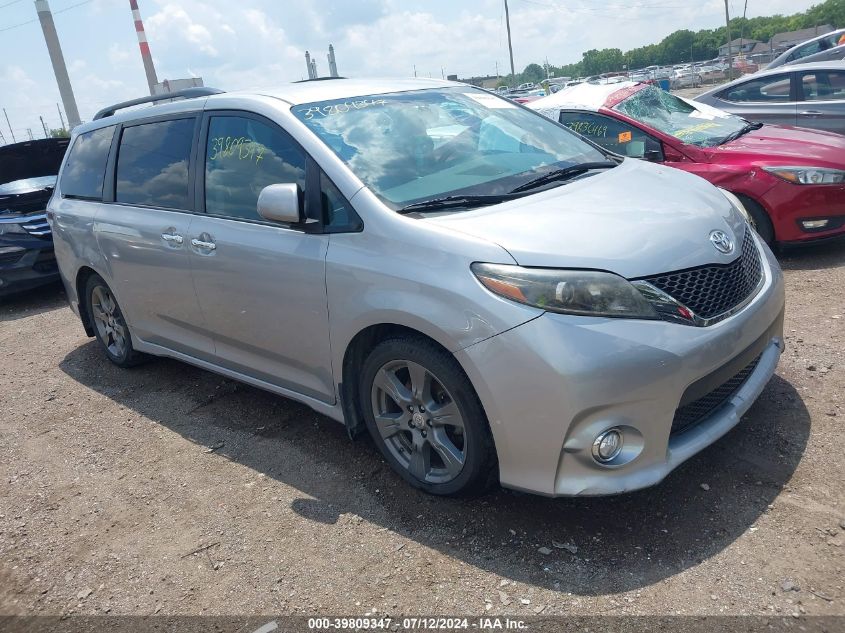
(702, 126)
(411, 147)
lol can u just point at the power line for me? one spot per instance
(14, 26)
(8, 4)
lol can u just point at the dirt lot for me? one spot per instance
(167, 489)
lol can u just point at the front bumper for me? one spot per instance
(551, 385)
(793, 203)
(26, 263)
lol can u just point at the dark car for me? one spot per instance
(27, 178)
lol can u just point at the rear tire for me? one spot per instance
(425, 417)
(760, 220)
(110, 327)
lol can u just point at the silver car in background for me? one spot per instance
(824, 48)
(488, 294)
(807, 95)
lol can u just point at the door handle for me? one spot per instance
(206, 245)
(172, 237)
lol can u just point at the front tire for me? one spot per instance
(760, 220)
(110, 327)
(426, 419)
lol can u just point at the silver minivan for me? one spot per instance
(492, 297)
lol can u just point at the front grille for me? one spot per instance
(37, 226)
(691, 414)
(712, 290)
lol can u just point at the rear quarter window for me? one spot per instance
(85, 170)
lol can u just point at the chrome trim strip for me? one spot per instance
(21, 219)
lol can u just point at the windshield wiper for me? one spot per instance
(450, 202)
(745, 129)
(563, 174)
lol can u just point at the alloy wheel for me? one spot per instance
(109, 321)
(419, 421)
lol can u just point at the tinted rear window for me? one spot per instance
(85, 171)
(152, 164)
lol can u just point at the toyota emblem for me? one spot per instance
(722, 242)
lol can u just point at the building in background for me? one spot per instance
(175, 85)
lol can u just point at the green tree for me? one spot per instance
(533, 73)
(606, 60)
(59, 133)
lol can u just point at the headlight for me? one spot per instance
(808, 175)
(582, 292)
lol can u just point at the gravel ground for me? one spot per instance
(167, 489)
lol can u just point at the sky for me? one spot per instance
(253, 43)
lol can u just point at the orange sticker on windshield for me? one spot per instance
(624, 137)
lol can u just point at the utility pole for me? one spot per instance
(510, 46)
(44, 125)
(11, 131)
(146, 56)
(730, 51)
(58, 60)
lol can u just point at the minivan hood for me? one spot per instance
(784, 145)
(637, 219)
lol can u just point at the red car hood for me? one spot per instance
(783, 145)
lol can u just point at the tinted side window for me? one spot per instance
(152, 164)
(766, 89)
(611, 134)
(242, 156)
(85, 170)
(338, 214)
(824, 85)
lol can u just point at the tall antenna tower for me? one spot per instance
(45, 16)
(149, 68)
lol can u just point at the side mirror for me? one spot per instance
(653, 155)
(280, 203)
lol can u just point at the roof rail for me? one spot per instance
(188, 93)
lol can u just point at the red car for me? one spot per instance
(791, 180)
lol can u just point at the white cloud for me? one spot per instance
(173, 23)
(259, 42)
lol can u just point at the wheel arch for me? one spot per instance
(359, 346)
(82, 276)
(755, 201)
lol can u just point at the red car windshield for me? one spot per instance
(697, 125)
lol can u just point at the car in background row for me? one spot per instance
(685, 78)
(27, 177)
(509, 302)
(807, 95)
(824, 48)
(790, 180)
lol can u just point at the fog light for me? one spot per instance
(814, 224)
(607, 445)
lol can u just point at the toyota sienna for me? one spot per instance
(491, 296)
